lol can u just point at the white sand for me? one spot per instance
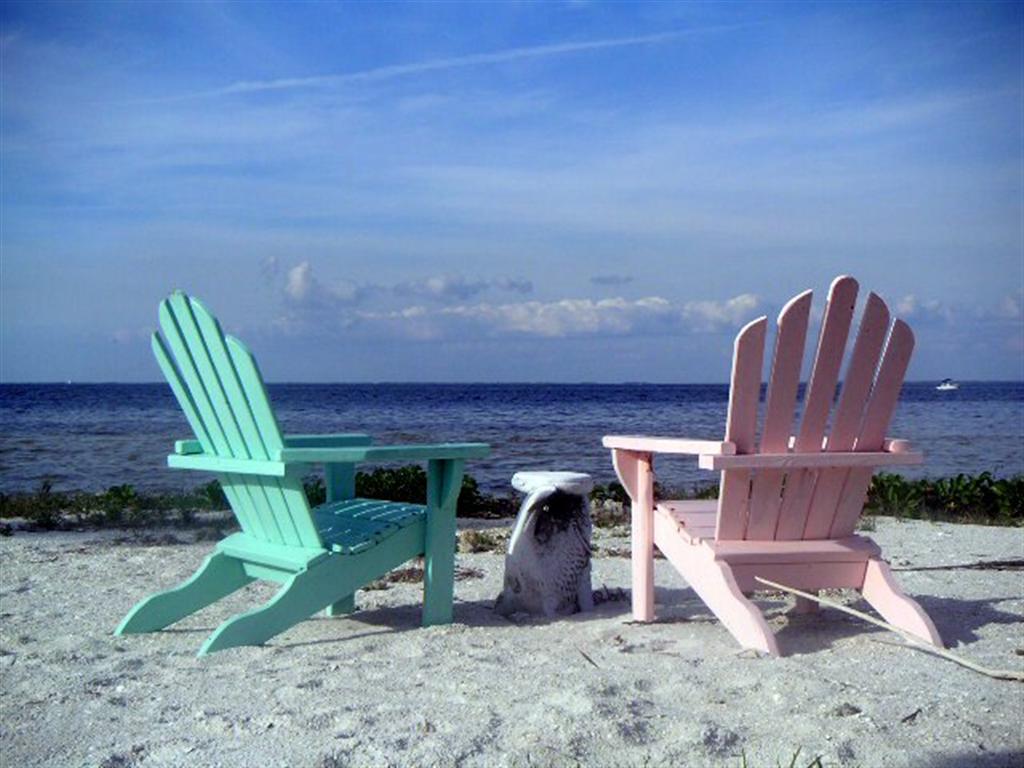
(374, 689)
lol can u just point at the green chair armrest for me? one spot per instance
(205, 463)
(187, 447)
(327, 441)
(384, 453)
(191, 447)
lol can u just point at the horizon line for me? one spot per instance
(66, 383)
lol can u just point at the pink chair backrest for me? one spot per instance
(821, 503)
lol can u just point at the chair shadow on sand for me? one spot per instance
(1001, 759)
(958, 620)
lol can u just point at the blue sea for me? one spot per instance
(92, 436)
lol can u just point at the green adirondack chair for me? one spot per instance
(319, 555)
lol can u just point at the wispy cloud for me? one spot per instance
(562, 318)
(611, 279)
(304, 290)
(393, 71)
(458, 287)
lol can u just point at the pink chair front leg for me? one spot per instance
(885, 596)
(636, 474)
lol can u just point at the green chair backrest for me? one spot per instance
(220, 389)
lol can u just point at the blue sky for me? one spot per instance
(504, 192)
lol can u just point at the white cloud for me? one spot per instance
(560, 318)
(923, 310)
(302, 288)
(300, 281)
(713, 315)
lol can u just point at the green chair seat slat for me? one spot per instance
(353, 525)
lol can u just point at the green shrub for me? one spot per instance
(611, 492)
(409, 484)
(963, 498)
(213, 495)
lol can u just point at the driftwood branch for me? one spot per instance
(998, 674)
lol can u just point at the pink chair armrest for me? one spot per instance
(838, 460)
(647, 444)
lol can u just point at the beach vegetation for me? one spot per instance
(483, 541)
(980, 499)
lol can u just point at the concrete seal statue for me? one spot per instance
(547, 568)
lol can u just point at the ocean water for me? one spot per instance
(92, 436)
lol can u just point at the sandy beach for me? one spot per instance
(375, 689)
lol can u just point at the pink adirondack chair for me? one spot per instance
(788, 503)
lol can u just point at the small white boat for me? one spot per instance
(947, 385)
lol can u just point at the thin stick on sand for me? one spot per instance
(998, 674)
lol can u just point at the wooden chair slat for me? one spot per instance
(818, 399)
(741, 426)
(296, 506)
(766, 491)
(213, 340)
(249, 398)
(249, 517)
(262, 493)
(181, 392)
(193, 380)
(289, 491)
(260, 496)
(192, 337)
(860, 374)
(251, 381)
(881, 407)
(284, 517)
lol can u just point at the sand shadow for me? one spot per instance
(1001, 759)
(958, 620)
